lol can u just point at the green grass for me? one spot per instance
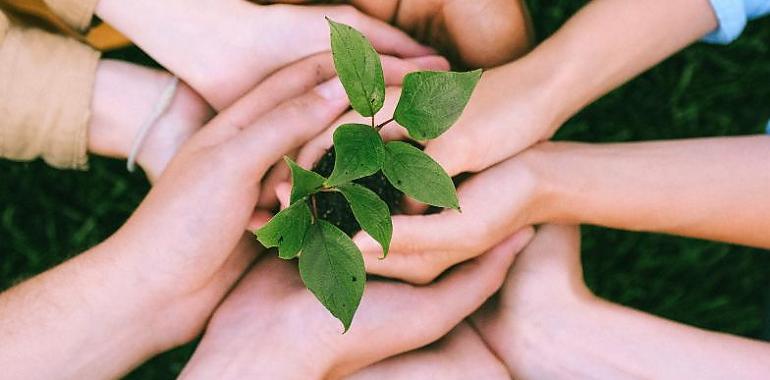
(46, 216)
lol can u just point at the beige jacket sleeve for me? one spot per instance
(46, 84)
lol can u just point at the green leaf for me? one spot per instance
(418, 176)
(332, 268)
(431, 102)
(359, 153)
(371, 212)
(287, 230)
(359, 68)
(303, 182)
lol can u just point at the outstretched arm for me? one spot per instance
(562, 331)
(716, 189)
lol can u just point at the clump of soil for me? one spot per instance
(333, 207)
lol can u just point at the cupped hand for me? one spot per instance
(544, 287)
(460, 355)
(186, 240)
(481, 33)
(495, 204)
(270, 326)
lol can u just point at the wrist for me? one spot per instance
(123, 97)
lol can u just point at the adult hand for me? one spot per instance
(481, 33)
(223, 48)
(462, 354)
(272, 305)
(545, 323)
(154, 283)
(495, 204)
(544, 288)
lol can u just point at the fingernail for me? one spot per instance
(331, 90)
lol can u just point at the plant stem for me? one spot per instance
(379, 127)
(314, 208)
(373, 121)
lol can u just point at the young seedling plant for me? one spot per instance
(330, 265)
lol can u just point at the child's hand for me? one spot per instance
(461, 355)
(479, 33)
(271, 326)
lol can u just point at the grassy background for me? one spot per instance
(46, 216)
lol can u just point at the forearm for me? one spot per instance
(82, 319)
(609, 42)
(717, 189)
(608, 341)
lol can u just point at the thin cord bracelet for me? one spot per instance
(160, 108)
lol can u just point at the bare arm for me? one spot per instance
(716, 189)
(562, 331)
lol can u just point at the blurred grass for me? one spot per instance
(46, 216)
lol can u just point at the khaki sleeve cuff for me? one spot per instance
(46, 84)
(76, 13)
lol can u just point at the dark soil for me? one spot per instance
(333, 208)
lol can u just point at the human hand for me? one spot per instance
(224, 48)
(495, 204)
(484, 33)
(276, 117)
(272, 305)
(124, 97)
(189, 229)
(462, 354)
(544, 288)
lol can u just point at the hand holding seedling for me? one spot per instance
(330, 264)
(271, 327)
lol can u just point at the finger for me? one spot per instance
(258, 219)
(283, 193)
(279, 173)
(447, 152)
(417, 233)
(425, 267)
(289, 82)
(447, 302)
(287, 127)
(384, 37)
(410, 206)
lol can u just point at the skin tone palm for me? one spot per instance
(154, 283)
(223, 48)
(271, 304)
(530, 327)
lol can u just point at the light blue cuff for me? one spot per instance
(767, 129)
(731, 16)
